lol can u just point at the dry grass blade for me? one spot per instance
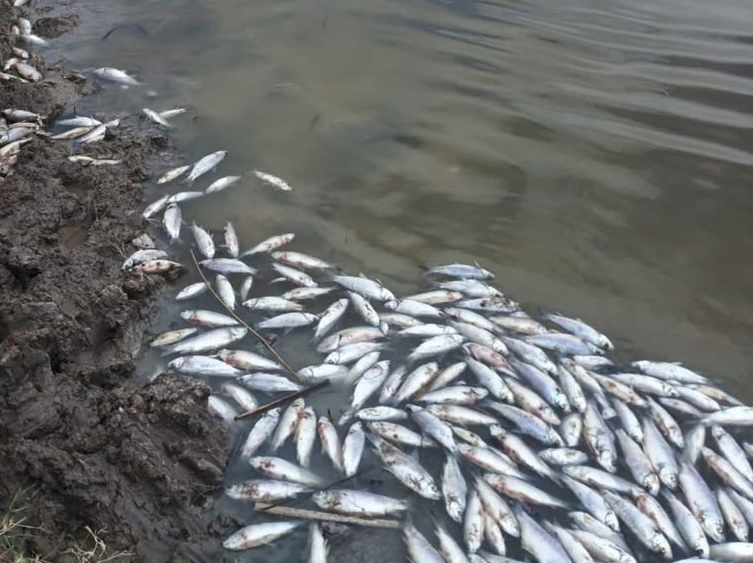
(232, 313)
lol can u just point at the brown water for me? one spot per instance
(596, 155)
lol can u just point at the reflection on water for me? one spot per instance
(595, 155)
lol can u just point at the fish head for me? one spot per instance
(652, 484)
(176, 364)
(713, 526)
(660, 544)
(610, 519)
(554, 439)
(324, 499)
(668, 477)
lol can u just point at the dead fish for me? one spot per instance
(221, 184)
(358, 503)
(208, 341)
(261, 432)
(273, 181)
(142, 256)
(256, 535)
(225, 291)
(221, 409)
(191, 291)
(170, 113)
(271, 244)
(406, 469)
(172, 336)
(462, 271)
(79, 121)
(330, 442)
(278, 468)
(156, 117)
(116, 75)
(172, 174)
(28, 72)
(155, 207)
(205, 164)
(265, 490)
(173, 220)
(419, 548)
(158, 267)
(228, 266)
(317, 549)
(207, 318)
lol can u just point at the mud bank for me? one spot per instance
(82, 442)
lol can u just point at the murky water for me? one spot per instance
(596, 155)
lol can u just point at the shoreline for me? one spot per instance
(83, 444)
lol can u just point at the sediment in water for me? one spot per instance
(82, 442)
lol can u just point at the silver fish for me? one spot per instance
(573, 547)
(208, 341)
(116, 75)
(301, 260)
(260, 432)
(523, 491)
(352, 352)
(435, 346)
(701, 501)
(288, 424)
(273, 181)
(155, 207)
(732, 451)
(473, 522)
(419, 548)
(173, 220)
(207, 318)
(241, 395)
(270, 244)
(272, 303)
(364, 309)
(231, 240)
(448, 547)
(490, 379)
(689, 527)
(317, 549)
(305, 436)
(269, 383)
(205, 164)
(454, 489)
(265, 490)
(493, 535)
(288, 320)
(330, 317)
(463, 271)
(538, 542)
(733, 516)
(660, 454)
(184, 196)
(406, 469)
(170, 113)
(203, 365)
(306, 293)
(670, 371)
(600, 478)
(695, 438)
(571, 429)
(490, 459)
(381, 413)
(256, 535)
(142, 256)
(603, 549)
(457, 395)
(225, 291)
(330, 442)
(353, 446)
(433, 427)
(221, 409)
(521, 453)
(295, 276)
(246, 286)
(365, 287)
(727, 472)
(638, 463)
(563, 456)
(416, 380)
(593, 502)
(561, 343)
(497, 507)
(527, 423)
(446, 376)
(278, 468)
(172, 336)
(436, 297)
(221, 184)
(641, 525)
(654, 510)
(581, 330)
(358, 503)
(247, 360)
(156, 117)
(398, 434)
(470, 288)
(353, 335)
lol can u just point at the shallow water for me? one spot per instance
(595, 155)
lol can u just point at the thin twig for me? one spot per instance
(302, 393)
(258, 336)
(326, 516)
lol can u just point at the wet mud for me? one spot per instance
(81, 444)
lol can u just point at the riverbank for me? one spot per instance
(82, 445)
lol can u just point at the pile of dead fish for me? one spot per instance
(532, 439)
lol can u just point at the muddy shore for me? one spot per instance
(80, 442)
